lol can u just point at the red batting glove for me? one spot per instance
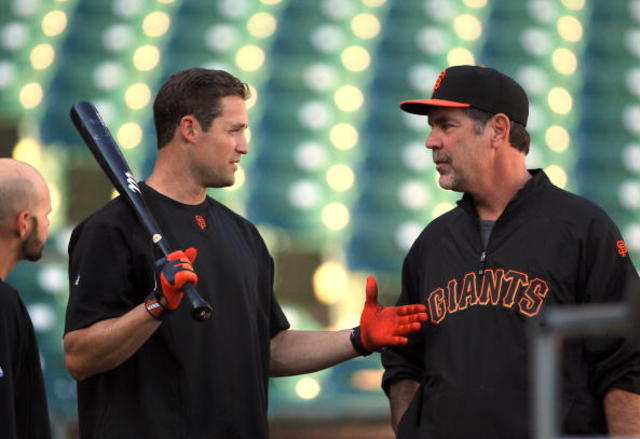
(175, 272)
(385, 326)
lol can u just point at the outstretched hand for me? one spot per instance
(386, 326)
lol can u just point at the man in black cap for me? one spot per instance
(514, 244)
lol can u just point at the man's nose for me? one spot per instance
(243, 145)
(432, 141)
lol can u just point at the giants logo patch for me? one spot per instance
(509, 289)
(202, 223)
(439, 81)
(622, 248)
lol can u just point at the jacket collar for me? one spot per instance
(538, 180)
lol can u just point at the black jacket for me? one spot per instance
(549, 246)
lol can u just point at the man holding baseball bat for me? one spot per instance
(24, 226)
(145, 369)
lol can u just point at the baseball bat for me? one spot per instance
(104, 148)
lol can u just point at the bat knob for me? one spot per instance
(202, 313)
(201, 310)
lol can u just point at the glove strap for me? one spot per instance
(154, 307)
(357, 343)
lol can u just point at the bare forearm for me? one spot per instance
(623, 413)
(401, 394)
(108, 343)
(296, 352)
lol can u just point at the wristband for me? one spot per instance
(357, 343)
(153, 306)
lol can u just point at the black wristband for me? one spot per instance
(357, 343)
(154, 307)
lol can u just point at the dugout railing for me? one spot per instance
(546, 337)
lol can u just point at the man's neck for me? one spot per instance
(177, 187)
(171, 178)
(490, 203)
(8, 258)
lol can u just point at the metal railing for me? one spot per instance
(546, 337)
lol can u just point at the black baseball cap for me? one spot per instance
(479, 87)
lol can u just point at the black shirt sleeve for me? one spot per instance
(609, 276)
(105, 266)
(405, 362)
(277, 320)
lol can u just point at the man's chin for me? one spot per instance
(445, 182)
(219, 184)
(34, 256)
(448, 184)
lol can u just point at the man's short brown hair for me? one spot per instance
(519, 137)
(196, 92)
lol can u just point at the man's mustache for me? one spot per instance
(440, 158)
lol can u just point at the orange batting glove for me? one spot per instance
(175, 270)
(385, 326)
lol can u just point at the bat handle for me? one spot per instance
(201, 309)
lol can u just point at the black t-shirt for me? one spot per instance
(23, 402)
(190, 379)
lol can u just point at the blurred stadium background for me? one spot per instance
(338, 179)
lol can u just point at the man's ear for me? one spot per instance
(22, 223)
(501, 128)
(188, 128)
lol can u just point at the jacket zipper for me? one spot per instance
(483, 262)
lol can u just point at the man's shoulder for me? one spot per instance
(10, 302)
(445, 220)
(233, 216)
(116, 213)
(114, 218)
(568, 205)
(437, 228)
(8, 294)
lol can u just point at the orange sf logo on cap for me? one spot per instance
(439, 81)
(622, 248)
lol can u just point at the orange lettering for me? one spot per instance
(491, 286)
(533, 297)
(452, 296)
(468, 293)
(437, 306)
(514, 280)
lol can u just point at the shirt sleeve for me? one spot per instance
(609, 276)
(405, 362)
(277, 320)
(106, 277)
